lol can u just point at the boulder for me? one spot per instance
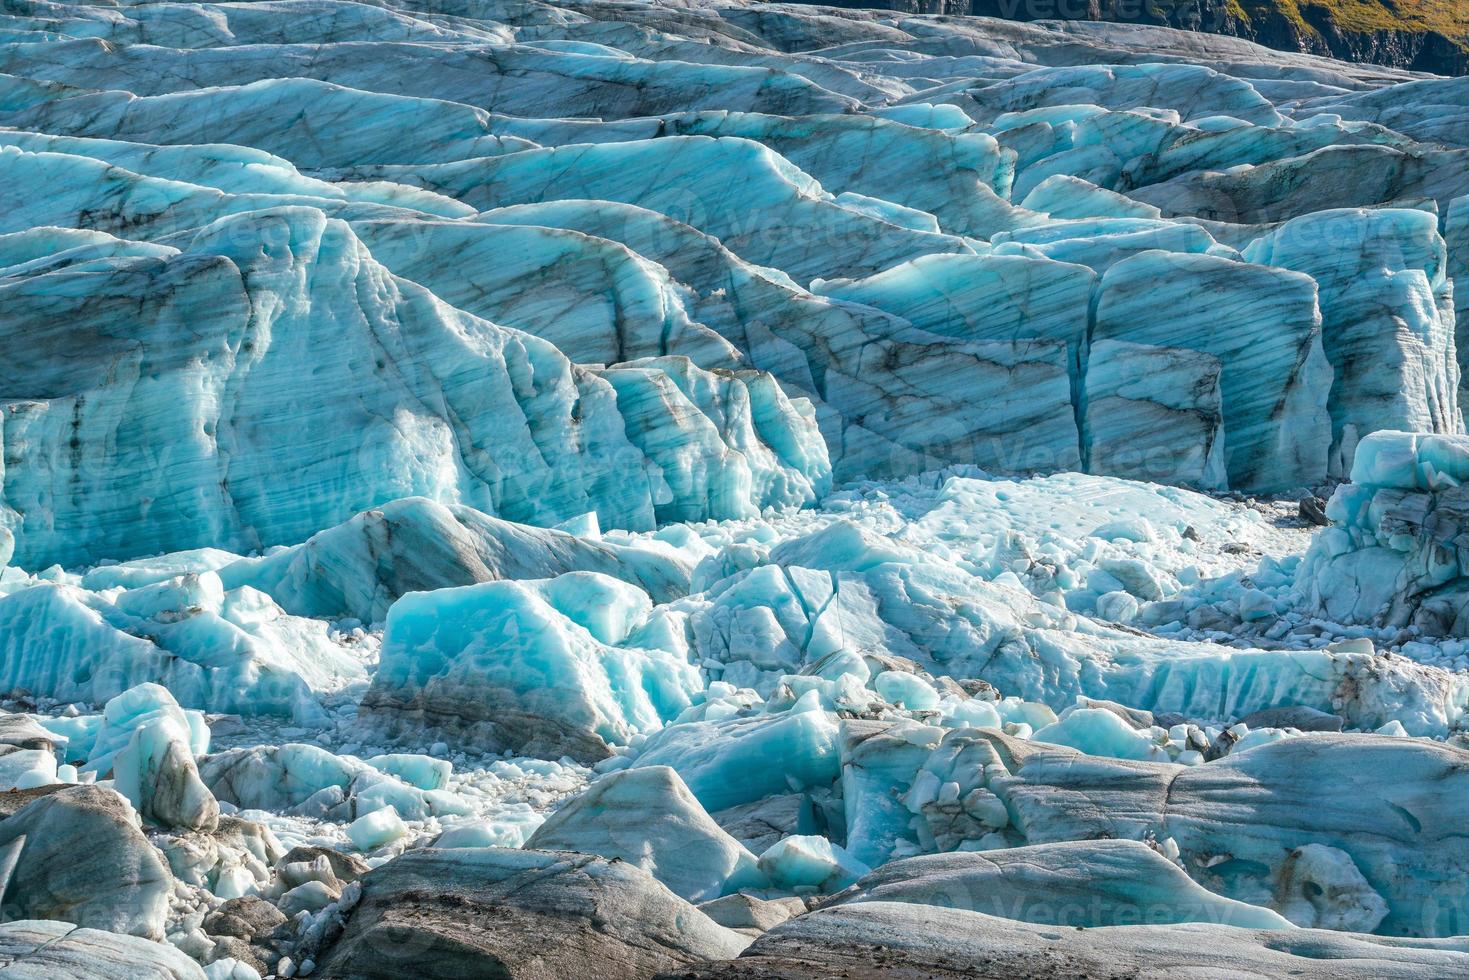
(521, 915)
(85, 861)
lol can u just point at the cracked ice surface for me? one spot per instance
(800, 448)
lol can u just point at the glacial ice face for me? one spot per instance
(1387, 313)
(1264, 325)
(846, 181)
(445, 405)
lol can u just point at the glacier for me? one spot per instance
(725, 489)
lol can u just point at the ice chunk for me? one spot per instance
(1392, 557)
(358, 569)
(648, 817)
(1081, 884)
(810, 863)
(230, 651)
(422, 771)
(156, 772)
(508, 665)
(135, 708)
(373, 830)
(773, 753)
(1096, 731)
(1324, 890)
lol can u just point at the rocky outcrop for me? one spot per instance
(1400, 38)
(522, 915)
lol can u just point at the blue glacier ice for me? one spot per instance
(800, 472)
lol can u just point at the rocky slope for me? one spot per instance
(1421, 35)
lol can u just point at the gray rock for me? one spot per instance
(85, 861)
(347, 867)
(873, 940)
(11, 801)
(230, 948)
(522, 915)
(247, 918)
(1312, 510)
(62, 951)
(760, 823)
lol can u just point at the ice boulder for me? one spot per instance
(810, 863)
(29, 752)
(1323, 889)
(361, 567)
(157, 773)
(132, 710)
(1097, 731)
(1393, 556)
(1078, 884)
(648, 817)
(530, 666)
(774, 753)
(373, 830)
(82, 859)
(233, 651)
(422, 771)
